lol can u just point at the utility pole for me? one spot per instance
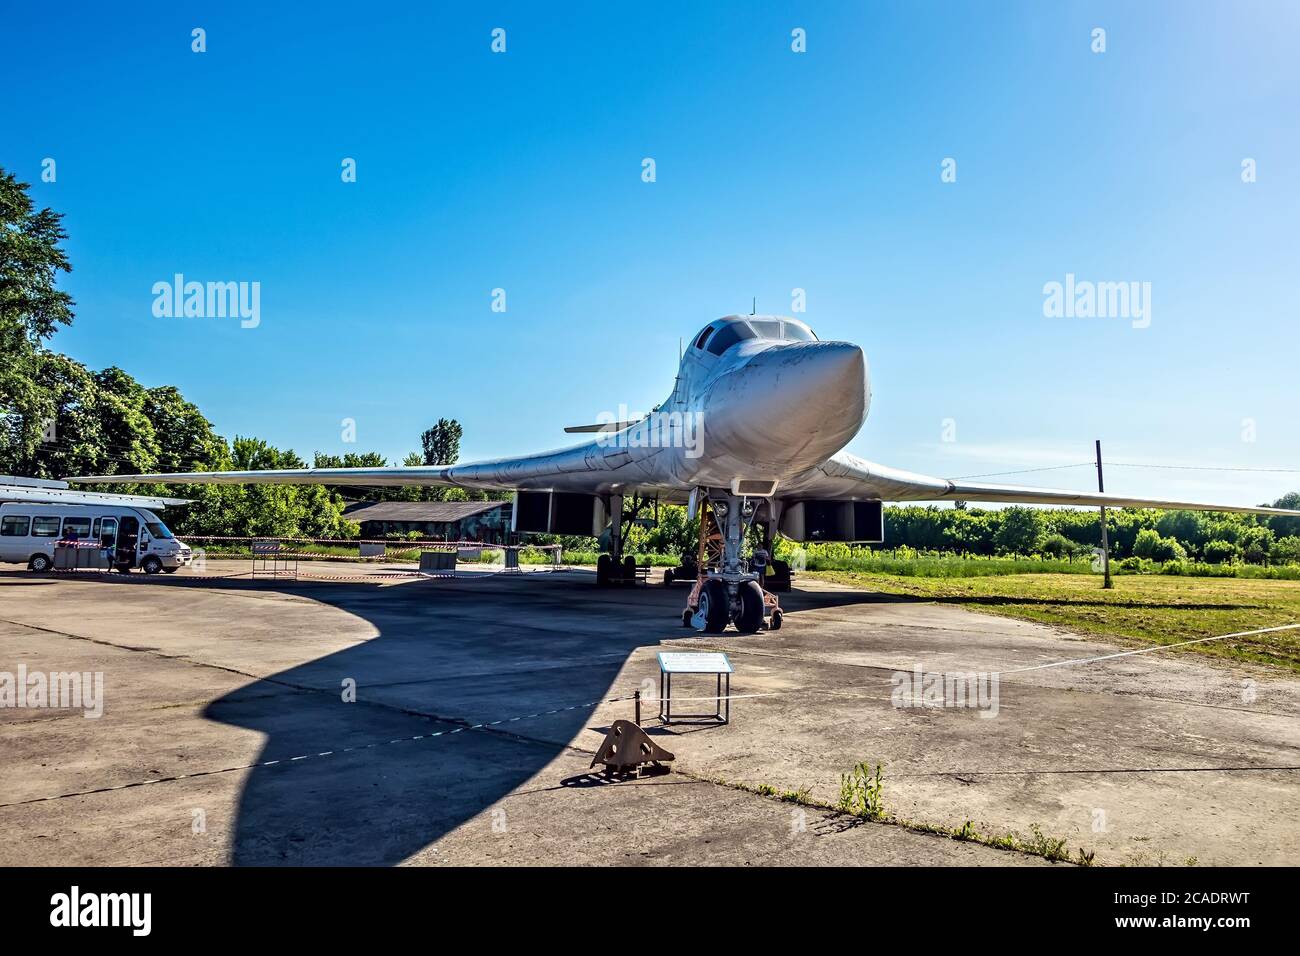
(1105, 536)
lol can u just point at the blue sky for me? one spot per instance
(775, 170)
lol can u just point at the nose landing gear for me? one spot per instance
(726, 591)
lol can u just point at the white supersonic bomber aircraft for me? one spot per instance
(753, 433)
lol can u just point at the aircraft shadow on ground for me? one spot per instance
(444, 657)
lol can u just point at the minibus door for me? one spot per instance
(128, 533)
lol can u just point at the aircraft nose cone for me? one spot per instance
(792, 405)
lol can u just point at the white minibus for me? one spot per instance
(137, 538)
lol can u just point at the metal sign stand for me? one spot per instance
(714, 663)
(274, 561)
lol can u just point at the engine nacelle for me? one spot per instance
(558, 512)
(819, 520)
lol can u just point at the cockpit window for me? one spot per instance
(704, 337)
(729, 335)
(798, 333)
(767, 329)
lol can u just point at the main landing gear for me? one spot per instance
(726, 589)
(611, 572)
(613, 569)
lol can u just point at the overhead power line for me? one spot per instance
(1025, 471)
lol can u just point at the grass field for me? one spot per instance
(1153, 609)
(909, 563)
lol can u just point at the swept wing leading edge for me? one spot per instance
(589, 467)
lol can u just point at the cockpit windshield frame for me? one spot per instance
(717, 338)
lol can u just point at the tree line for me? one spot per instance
(1213, 537)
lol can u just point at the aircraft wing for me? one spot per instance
(847, 476)
(590, 468)
(597, 470)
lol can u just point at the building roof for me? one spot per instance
(418, 510)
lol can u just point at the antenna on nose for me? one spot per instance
(753, 309)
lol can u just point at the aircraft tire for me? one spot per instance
(603, 566)
(716, 606)
(750, 616)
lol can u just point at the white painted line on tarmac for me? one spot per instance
(1147, 650)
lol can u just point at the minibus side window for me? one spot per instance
(44, 527)
(15, 526)
(78, 526)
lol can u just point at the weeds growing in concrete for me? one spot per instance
(787, 796)
(862, 793)
(862, 797)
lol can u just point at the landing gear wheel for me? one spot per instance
(604, 565)
(668, 578)
(715, 606)
(171, 570)
(774, 622)
(687, 614)
(750, 616)
(151, 565)
(39, 562)
(629, 570)
(122, 568)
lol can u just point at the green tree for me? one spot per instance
(1057, 545)
(281, 511)
(1021, 531)
(442, 442)
(74, 443)
(185, 439)
(1220, 552)
(1284, 525)
(1188, 527)
(1256, 542)
(127, 436)
(1285, 550)
(31, 309)
(1150, 544)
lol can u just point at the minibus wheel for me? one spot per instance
(151, 565)
(39, 562)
